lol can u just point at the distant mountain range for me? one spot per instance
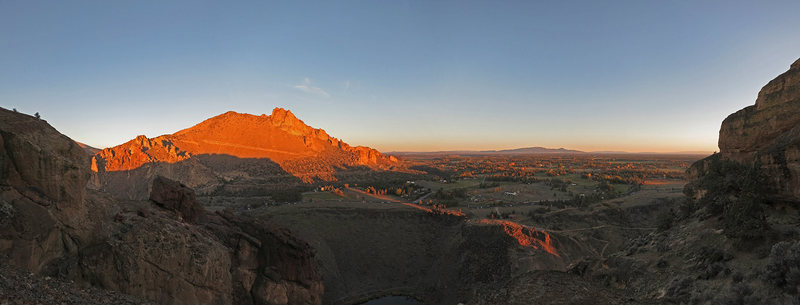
(533, 150)
(536, 151)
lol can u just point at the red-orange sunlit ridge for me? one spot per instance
(524, 235)
(300, 150)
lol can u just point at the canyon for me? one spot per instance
(196, 217)
(169, 248)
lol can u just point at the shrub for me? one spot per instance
(665, 219)
(709, 255)
(738, 294)
(737, 277)
(680, 289)
(686, 209)
(736, 192)
(714, 269)
(783, 268)
(744, 219)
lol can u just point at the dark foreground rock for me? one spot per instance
(18, 286)
(42, 180)
(218, 258)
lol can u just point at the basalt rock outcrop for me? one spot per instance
(199, 156)
(766, 134)
(169, 250)
(42, 179)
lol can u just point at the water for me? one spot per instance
(392, 300)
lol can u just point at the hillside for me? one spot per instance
(254, 153)
(280, 137)
(57, 238)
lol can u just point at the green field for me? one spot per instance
(621, 188)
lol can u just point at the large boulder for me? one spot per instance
(175, 196)
(766, 134)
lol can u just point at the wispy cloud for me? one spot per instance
(307, 87)
(346, 85)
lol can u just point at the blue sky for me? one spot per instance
(401, 75)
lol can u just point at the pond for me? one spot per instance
(392, 300)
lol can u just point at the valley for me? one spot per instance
(266, 210)
(441, 229)
(399, 152)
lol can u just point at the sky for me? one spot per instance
(401, 75)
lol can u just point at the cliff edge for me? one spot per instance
(766, 135)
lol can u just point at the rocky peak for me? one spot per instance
(280, 118)
(279, 136)
(280, 115)
(285, 120)
(142, 141)
(279, 139)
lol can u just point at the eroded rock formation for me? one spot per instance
(278, 137)
(767, 133)
(199, 156)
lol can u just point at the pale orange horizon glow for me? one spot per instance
(662, 148)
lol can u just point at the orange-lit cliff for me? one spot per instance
(301, 150)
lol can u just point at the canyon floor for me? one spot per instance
(380, 246)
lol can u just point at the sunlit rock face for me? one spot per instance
(768, 132)
(525, 237)
(197, 156)
(279, 137)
